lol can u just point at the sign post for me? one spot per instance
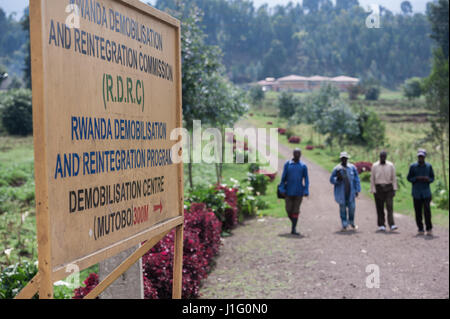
(106, 80)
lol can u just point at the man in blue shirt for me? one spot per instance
(294, 186)
(347, 187)
(421, 175)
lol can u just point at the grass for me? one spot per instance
(403, 139)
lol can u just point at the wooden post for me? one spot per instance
(179, 236)
(130, 285)
(178, 264)
(40, 152)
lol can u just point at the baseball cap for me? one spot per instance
(344, 155)
(422, 152)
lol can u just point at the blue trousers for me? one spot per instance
(347, 211)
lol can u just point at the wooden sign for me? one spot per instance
(106, 78)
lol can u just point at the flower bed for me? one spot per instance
(201, 244)
(310, 148)
(363, 167)
(282, 131)
(204, 223)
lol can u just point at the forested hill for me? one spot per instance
(316, 38)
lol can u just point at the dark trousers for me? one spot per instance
(422, 207)
(385, 198)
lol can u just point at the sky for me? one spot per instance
(17, 6)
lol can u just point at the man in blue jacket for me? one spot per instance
(421, 175)
(294, 185)
(347, 187)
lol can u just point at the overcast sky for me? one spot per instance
(394, 5)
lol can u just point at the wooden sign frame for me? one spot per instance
(47, 274)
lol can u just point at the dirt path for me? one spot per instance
(261, 259)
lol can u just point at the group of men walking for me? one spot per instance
(294, 187)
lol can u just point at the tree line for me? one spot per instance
(317, 37)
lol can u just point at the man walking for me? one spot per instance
(347, 187)
(294, 185)
(383, 184)
(421, 175)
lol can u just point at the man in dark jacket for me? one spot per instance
(421, 175)
(294, 185)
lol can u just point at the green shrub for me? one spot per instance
(442, 200)
(16, 114)
(412, 88)
(14, 278)
(373, 93)
(365, 176)
(253, 168)
(246, 203)
(259, 183)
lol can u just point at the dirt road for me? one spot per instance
(261, 259)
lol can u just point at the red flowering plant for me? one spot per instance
(282, 131)
(310, 148)
(201, 244)
(295, 140)
(90, 283)
(363, 167)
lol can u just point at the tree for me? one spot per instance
(256, 95)
(438, 16)
(25, 22)
(207, 95)
(406, 7)
(346, 4)
(287, 104)
(372, 131)
(436, 86)
(412, 89)
(338, 123)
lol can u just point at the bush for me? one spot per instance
(372, 130)
(90, 283)
(373, 93)
(221, 200)
(282, 131)
(287, 104)
(201, 245)
(258, 182)
(365, 176)
(17, 116)
(412, 88)
(14, 278)
(295, 140)
(363, 167)
(442, 200)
